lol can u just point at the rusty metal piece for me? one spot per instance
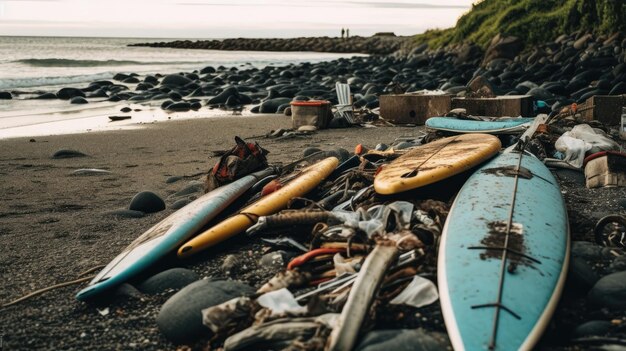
(292, 218)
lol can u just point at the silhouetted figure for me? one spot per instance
(342, 32)
(347, 33)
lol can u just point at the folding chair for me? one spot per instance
(344, 108)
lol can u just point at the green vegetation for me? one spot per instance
(534, 21)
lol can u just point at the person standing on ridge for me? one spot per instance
(347, 33)
(342, 32)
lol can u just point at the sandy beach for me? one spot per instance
(53, 226)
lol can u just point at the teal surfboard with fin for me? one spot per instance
(503, 256)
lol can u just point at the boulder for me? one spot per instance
(180, 318)
(610, 291)
(503, 47)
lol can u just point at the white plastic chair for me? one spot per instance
(344, 108)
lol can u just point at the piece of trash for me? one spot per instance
(420, 292)
(281, 301)
(104, 311)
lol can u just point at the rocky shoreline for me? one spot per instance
(375, 45)
(569, 69)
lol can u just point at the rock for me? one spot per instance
(66, 153)
(147, 201)
(191, 188)
(124, 213)
(78, 100)
(271, 105)
(180, 106)
(273, 261)
(173, 179)
(618, 89)
(178, 204)
(175, 80)
(502, 47)
(582, 42)
(120, 76)
(46, 96)
(127, 290)
(229, 264)
(207, 70)
(480, 87)
(5, 95)
(126, 109)
(180, 318)
(68, 93)
(587, 250)
(403, 340)
(592, 328)
(174, 278)
(580, 275)
(609, 291)
(288, 111)
(131, 80)
(618, 264)
(540, 94)
(222, 97)
(309, 151)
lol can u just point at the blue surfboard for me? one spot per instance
(497, 299)
(167, 235)
(498, 126)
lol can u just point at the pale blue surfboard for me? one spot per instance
(450, 124)
(167, 235)
(470, 275)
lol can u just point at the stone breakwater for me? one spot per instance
(377, 45)
(569, 69)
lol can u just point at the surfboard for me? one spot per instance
(306, 181)
(435, 161)
(494, 299)
(167, 235)
(455, 125)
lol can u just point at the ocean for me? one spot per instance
(32, 64)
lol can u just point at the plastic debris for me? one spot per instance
(420, 292)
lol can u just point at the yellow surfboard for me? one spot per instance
(435, 161)
(270, 204)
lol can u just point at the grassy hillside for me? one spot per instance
(533, 20)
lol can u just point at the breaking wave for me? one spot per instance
(45, 81)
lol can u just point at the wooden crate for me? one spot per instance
(604, 108)
(608, 170)
(412, 108)
(500, 106)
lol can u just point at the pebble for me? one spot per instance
(66, 153)
(180, 320)
(174, 278)
(229, 264)
(147, 201)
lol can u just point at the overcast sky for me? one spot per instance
(225, 18)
